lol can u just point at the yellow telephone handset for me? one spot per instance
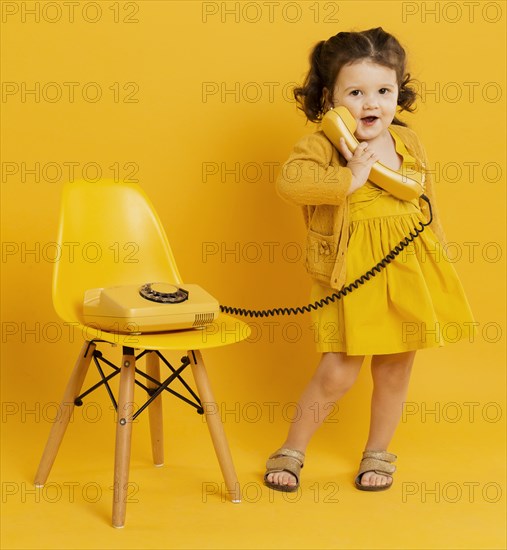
(339, 122)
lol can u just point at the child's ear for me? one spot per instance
(327, 100)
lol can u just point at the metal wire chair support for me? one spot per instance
(152, 392)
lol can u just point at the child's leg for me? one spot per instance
(335, 374)
(391, 375)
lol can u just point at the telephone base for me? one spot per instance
(122, 309)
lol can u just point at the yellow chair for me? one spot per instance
(111, 235)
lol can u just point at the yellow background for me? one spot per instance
(203, 87)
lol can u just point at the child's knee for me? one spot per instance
(337, 376)
(391, 369)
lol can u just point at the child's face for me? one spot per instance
(370, 92)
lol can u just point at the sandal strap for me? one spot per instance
(378, 462)
(293, 453)
(288, 460)
(380, 455)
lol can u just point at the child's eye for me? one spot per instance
(384, 91)
(355, 92)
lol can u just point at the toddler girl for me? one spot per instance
(351, 225)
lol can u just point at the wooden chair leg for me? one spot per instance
(59, 427)
(123, 436)
(155, 411)
(215, 426)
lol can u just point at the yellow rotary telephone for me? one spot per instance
(339, 122)
(150, 307)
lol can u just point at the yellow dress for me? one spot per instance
(416, 302)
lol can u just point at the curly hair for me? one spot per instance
(329, 56)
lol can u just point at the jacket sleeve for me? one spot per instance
(312, 174)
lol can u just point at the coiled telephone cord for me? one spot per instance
(343, 291)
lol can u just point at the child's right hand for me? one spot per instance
(359, 162)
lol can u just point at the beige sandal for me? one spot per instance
(284, 460)
(378, 462)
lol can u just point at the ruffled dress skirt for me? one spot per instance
(416, 302)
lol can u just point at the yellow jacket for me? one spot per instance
(315, 176)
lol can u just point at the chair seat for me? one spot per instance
(223, 331)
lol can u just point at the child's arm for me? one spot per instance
(313, 175)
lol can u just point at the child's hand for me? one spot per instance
(360, 163)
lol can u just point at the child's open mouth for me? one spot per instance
(369, 120)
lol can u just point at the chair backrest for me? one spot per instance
(109, 234)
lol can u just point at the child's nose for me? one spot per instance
(370, 103)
